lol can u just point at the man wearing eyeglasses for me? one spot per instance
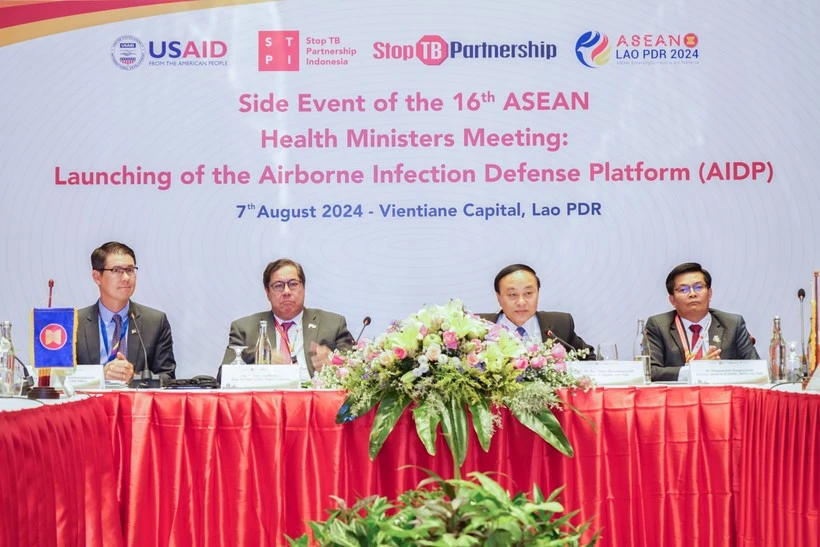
(107, 331)
(693, 330)
(298, 334)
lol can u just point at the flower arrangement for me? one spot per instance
(448, 362)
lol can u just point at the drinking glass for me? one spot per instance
(608, 351)
(19, 382)
(237, 360)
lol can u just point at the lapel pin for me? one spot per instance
(311, 326)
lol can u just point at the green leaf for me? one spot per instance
(454, 427)
(387, 415)
(546, 425)
(345, 413)
(482, 422)
(427, 426)
(492, 487)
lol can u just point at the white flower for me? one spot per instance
(716, 339)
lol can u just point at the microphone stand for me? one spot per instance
(146, 379)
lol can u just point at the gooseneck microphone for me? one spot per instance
(365, 322)
(804, 361)
(563, 342)
(145, 380)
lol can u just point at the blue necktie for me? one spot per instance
(118, 340)
(521, 332)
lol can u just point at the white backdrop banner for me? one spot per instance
(404, 152)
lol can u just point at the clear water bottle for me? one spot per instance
(793, 363)
(264, 350)
(7, 361)
(777, 354)
(640, 351)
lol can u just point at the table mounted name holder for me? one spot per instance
(728, 372)
(260, 377)
(613, 373)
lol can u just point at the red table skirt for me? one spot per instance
(779, 470)
(723, 466)
(57, 481)
(661, 466)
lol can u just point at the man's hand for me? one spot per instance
(119, 369)
(713, 353)
(319, 356)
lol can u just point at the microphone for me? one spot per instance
(804, 362)
(563, 342)
(146, 379)
(365, 322)
(50, 291)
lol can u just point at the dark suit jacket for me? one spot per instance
(560, 323)
(666, 349)
(323, 327)
(156, 333)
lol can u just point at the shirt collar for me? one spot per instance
(532, 326)
(297, 319)
(107, 315)
(705, 323)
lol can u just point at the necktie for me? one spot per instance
(118, 340)
(285, 338)
(695, 339)
(521, 332)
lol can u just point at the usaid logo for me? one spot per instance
(127, 52)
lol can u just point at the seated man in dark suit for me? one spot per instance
(298, 334)
(516, 288)
(693, 330)
(107, 331)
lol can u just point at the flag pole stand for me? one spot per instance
(43, 390)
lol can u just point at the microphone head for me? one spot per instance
(50, 283)
(366, 320)
(801, 293)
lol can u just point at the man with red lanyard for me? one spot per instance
(300, 335)
(693, 330)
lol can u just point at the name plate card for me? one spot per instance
(728, 371)
(260, 377)
(611, 373)
(83, 377)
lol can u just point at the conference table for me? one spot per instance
(654, 465)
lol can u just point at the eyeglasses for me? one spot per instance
(686, 289)
(119, 272)
(292, 284)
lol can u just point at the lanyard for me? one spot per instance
(687, 353)
(104, 333)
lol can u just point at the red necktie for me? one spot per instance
(285, 341)
(695, 338)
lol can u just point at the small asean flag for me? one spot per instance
(53, 337)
